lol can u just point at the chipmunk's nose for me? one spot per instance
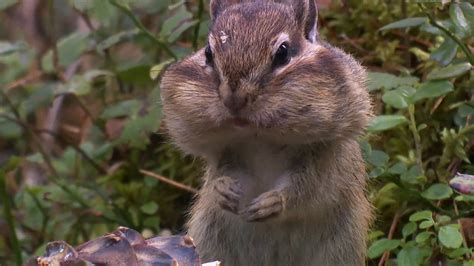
(235, 102)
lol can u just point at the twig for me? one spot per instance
(140, 26)
(169, 181)
(198, 25)
(52, 23)
(9, 218)
(24, 80)
(78, 149)
(35, 138)
(391, 232)
(416, 136)
(451, 35)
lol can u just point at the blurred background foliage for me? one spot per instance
(83, 150)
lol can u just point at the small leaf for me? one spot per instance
(149, 208)
(380, 246)
(449, 71)
(445, 53)
(117, 38)
(408, 229)
(121, 109)
(410, 256)
(379, 80)
(437, 192)
(468, 11)
(155, 71)
(432, 89)
(450, 236)
(398, 168)
(395, 99)
(384, 122)
(422, 237)
(457, 16)
(421, 215)
(426, 224)
(378, 158)
(405, 23)
(412, 176)
(9, 48)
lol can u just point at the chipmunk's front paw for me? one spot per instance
(229, 193)
(267, 205)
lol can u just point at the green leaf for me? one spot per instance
(117, 38)
(426, 224)
(4, 4)
(378, 158)
(176, 24)
(412, 176)
(432, 89)
(155, 71)
(421, 215)
(379, 80)
(384, 122)
(446, 52)
(422, 237)
(149, 208)
(9, 129)
(405, 23)
(9, 48)
(468, 11)
(450, 71)
(408, 229)
(395, 99)
(380, 246)
(437, 192)
(398, 168)
(69, 50)
(449, 236)
(121, 109)
(457, 16)
(77, 85)
(410, 256)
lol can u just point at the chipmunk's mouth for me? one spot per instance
(238, 122)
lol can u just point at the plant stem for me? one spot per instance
(451, 35)
(140, 26)
(416, 136)
(198, 25)
(9, 218)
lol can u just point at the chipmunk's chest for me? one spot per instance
(258, 165)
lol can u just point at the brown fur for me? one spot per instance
(285, 178)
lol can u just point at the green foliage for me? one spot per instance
(80, 117)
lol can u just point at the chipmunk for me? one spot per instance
(275, 112)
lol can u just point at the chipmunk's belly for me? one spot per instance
(264, 166)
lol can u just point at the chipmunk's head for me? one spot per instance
(265, 71)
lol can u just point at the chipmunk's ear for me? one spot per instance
(217, 6)
(306, 14)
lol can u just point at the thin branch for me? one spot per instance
(391, 232)
(31, 77)
(169, 181)
(198, 25)
(36, 140)
(140, 26)
(416, 136)
(9, 218)
(451, 35)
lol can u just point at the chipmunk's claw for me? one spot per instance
(265, 206)
(229, 194)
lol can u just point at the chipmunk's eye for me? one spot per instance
(209, 55)
(282, 56)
